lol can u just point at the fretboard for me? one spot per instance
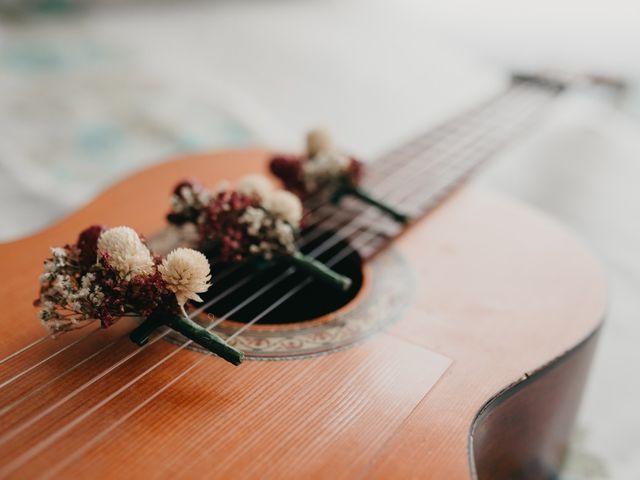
(419, 175)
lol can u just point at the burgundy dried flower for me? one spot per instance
(222, 231)
(76, 288)
(188, 199)
(235, 223)
(356, 171)
(327, 171)
(256, 222)
(88, 244)
(289, 170)
(188, 184)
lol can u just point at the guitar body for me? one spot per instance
(479, 372)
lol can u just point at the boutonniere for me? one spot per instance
(251, 220)
(326, 170)
(110, 273)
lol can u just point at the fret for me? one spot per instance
(435, 163)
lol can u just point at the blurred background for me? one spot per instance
(93, 90)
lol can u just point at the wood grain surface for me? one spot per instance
(502, 291)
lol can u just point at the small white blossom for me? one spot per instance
(190, 197)
(285, 205)
(221, 186)
(178, 205)
(193, 196)
(96, 297)
(254, 218)
(286, 235)
(126, 252)
(323, 168)
(318, 140)
(58, 252)
(49, 266)
(87, 280)
(257, 185)
(186, 273)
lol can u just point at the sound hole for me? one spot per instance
(314, 300)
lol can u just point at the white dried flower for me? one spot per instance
(221, 186)
(186, 273)
(126, 252)
(254, 218)
(284, 205)
(58, 252)
(190, 196)
(318, 140)
(323, 168)
(49, 266)
(258, 185)
(286, 236)
(87, 280)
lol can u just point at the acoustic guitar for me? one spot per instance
(460, 350)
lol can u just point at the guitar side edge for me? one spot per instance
(523, 431)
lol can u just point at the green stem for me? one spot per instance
(140, 335)
(319, 270)
(368, 198)
(191, 330)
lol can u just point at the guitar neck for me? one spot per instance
(417, 176)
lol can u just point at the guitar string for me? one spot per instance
(88, 445)
(23, 398)
(312, 235)
(385, 162)
(219, 276)
(26, 456)
(28, 423)
(71, 344)
(39, 447)
(25, 348)
(451, 128)
(245, 327)
(59, 433)
(441, 131)
(195, 313)
(47, 358)
(288, 295)
(184, 467)
(236, 333)
(17, 376)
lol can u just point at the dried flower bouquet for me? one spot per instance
(326, 170)
(248, 221)
(110, 273)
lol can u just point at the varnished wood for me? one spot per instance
(522, 432)
(502, 291)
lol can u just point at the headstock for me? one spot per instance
(559, 81)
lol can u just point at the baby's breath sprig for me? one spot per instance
(250, 220)
(325, 169)
(110, 273)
